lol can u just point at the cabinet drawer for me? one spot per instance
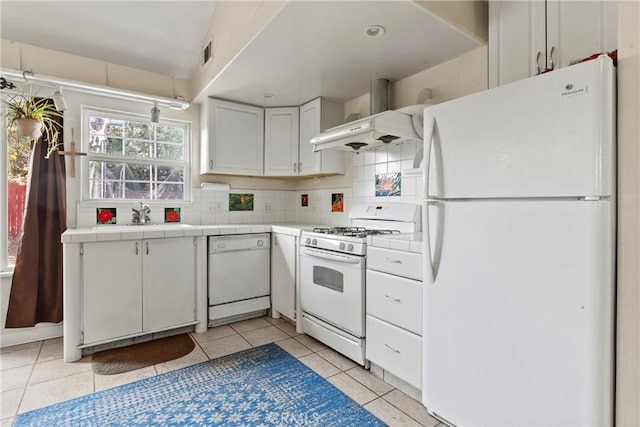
(395, 300)
(405, 264)
(395, 350)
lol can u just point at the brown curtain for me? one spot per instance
(36, 288)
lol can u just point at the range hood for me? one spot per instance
(386, 128)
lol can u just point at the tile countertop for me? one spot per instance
(408, 242)
(119, 232)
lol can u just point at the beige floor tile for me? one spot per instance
(336, 359)
(369, 380)
(288, 328)
(20, 347)
(9, 402)
(390, 414)
(196, 356)
(21, 357)
(274, 321)
(263, 336)
(51, 349)
(58, 390)
(57, 368)
(294, 347)
(103, 382)
(311, 343)
(7, 422)
(214, 333)
(250, 324)
(319, 365)
(352, 388)
(224, 346)
(411, 407)
(15, 378)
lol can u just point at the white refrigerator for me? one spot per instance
(519, 221)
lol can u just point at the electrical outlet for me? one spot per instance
(267, 207)
(214, 207)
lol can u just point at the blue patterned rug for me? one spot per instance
(262, 386)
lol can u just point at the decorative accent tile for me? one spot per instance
(304, 200)
(240, 202)
(337, 202)
(105, 215)
(172, 215)
(388, 184)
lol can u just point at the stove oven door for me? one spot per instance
(332, 288)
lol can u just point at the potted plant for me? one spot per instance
(32, 117)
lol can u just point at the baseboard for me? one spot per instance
(42, 331)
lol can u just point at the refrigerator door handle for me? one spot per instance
(427, 270)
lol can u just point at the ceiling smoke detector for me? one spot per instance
(374, 31)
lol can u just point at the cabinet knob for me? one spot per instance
(391, 348)
(136, 248)
(538, 68)
(147, 248)
(211, 164)
(294, 166)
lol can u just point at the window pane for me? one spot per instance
(137, 148)
(138, 130)
(18, 157)
(133, 141)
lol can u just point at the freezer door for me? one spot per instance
(546, 136)
(518, 320)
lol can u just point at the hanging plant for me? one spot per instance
(32, 117)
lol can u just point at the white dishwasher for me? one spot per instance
(239, 277)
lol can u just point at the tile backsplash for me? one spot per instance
(209, 207)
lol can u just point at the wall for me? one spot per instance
(235, 24)
(628, 280)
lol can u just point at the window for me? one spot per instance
(16, 157)
(131, 158)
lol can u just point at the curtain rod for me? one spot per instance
(93, 89)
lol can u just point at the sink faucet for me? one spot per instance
(141, 216)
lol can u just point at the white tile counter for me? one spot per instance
(408, 242)
(102, 233)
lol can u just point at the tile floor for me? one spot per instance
(33, 375)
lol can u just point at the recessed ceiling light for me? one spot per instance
(374, 30)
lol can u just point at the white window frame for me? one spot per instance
(87, 112)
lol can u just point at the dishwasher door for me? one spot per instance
(239, 267)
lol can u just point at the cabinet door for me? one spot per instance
(578, 29)
(283, 274)
(111, 290)
(315, 117)
(281, 141)
(516, 36)
(168, 272)
(235, 138)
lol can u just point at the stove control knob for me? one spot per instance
(350, 247)
(308, 240)
(341, 246)
(314, 242)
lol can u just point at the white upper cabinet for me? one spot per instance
(528, 37)
(232, 140)
(281, 128)
(315, 117)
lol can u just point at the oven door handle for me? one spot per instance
(332, 257)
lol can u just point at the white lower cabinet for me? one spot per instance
(283, 274)
(133, 287)
(394, 313)
(395, 350)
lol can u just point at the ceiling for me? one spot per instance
(310, 49)
(164, 37)
(318, 48)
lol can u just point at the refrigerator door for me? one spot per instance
(551, 135)
(518, 318)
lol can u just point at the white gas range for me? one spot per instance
(332, 274)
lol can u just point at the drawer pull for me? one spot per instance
(392, 298)
(395, 261)
(391, 349)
